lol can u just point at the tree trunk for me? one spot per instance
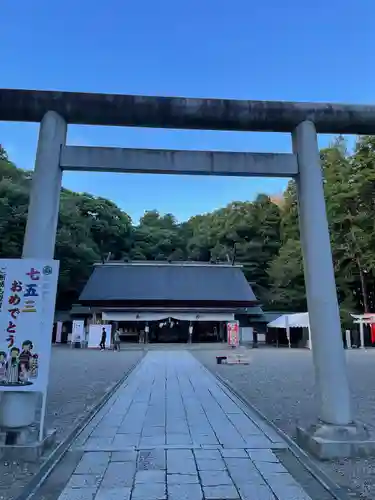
(363, 288)
(361, 273)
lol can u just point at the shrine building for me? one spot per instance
(169, 301)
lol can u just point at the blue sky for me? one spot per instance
(270, 49)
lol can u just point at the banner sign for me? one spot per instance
(233, 334)
(27, 304)
(59, 332)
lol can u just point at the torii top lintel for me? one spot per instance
(185, 113)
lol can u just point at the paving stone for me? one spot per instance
(244, 425)
(104, 432)
(279, 446)
(243, 470)
(149, 442)
(232, 409)
(84, 481)
(262, 456)
(232, 441)
(154, 422)
(204, 440)
(208, 454)
(215, 478)
(152, 460)
(234, 453)
(290, 492)
(183, 439)
(182, 466)
(112, 419)
(224, 492)
(280, 481)
(185, 492)
(113, 494)
(154, 491)
(130, 429)
(212, 464)
(119, 474)
(251, 491)
(177, 428)
(78, 494)
(203, 428)
(173, 455)
(132, 422)
(150, 476)
(125, 440)
(182, 479)
(123, 456)
(181, 421)
(179, 447)
(259, 442)
(267, 468)
(98, 443)
(177, 421)
(93, 463)
(153, 431)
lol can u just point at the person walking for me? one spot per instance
(116, 341)
(103, 339)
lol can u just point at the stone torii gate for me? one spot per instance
(335, 434)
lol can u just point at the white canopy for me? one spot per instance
(280, 322)
(291, 321)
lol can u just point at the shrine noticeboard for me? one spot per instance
(27, 305)
(233, 334)
(78, 330)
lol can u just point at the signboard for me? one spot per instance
(233, 333)
(247, 334)
(95, 335)
(58, 332)
(78, 330)
(27, 304)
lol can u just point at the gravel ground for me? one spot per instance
(79, 378)
(280, 383)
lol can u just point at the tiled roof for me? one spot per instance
(170, 282)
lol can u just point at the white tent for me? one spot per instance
(291, 320)
(288, 321)
(300, 320)
(280, 322)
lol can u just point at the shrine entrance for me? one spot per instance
(55, 110)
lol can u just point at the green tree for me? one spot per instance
(14, 199)
(158, 238)
(248, 232)
(349, 190)
(261, 235)
(3, 154)
(287, 285)
(110, 228)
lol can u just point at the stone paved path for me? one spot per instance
(172, 431)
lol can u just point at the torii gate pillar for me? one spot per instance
(335, 431)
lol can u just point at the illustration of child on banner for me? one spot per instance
(18, 363)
